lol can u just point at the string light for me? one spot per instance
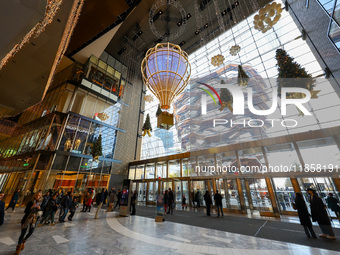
(52, 8)
(65, 40)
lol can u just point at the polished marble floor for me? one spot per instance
(112, 234)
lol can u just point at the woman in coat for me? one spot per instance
(29, 221)
(319, 214)
(305, 221)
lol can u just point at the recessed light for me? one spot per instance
(206, 25)
(197, 32)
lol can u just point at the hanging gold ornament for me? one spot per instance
(217, 60)
(148, 98)
(103, 116)
(234, 50)
(268, 16)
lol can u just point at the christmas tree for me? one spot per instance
(226, 98)
(159, 111)
(97, 148)
(242, 77)
(291, 74)
(147, 124)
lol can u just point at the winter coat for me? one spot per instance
(14, 199)
(218, 199)
(171, 196)
(332, 203)
(301, 208)
(166, 199)
(207, 199)
(318, 211)
(51, 205)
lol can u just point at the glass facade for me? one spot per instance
(192, 131)
(52, 144)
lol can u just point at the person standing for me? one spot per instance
(106, 194)
(305, 221)
(2, 208)
(165, 201)
(197, 199)
(192, 196)
(320, 215)
(14, 200)
(133, 203)
(29, 221)
(208, 201)
(99, 201)
(85, 198)
(171, 201)
(89, 200)
(218, 203)
(281, 200)
(184, 203)
(119, 199)
(332, 204)
(66, 204)
(44, 202)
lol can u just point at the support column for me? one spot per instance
(241, 196)
(295, 184)
(147, 192)
(250, 200)
(337, 183)
(272, 197)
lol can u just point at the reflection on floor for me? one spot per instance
(112, 234)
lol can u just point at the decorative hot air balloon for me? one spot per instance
(166, 72)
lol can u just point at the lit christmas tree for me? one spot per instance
(242, 77)
(97, 148)
(147, 126)
(291, 74)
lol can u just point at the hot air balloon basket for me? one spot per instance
(165, 120)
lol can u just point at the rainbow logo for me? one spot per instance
(209, 93)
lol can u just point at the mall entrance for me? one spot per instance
(256, 196)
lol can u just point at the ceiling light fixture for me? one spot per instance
(206, 25)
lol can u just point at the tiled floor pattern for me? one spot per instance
(112, 234)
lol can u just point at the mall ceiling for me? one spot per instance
(202, 21)
(24, 77)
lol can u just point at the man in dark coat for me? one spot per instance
(305, 221)
(319, 214)
(133, 203)
(119, 199)
(208, 201)
(66, 205)
(171, 201)
(2, 209)
(218, 203)
(332, 204)
(14, 200)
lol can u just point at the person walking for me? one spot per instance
(305, 221)
(119, 199)
(44, 202)
(14, 200)
(85, 198)
(170, 201)
(332, 204)
(29, 221)
(89, 200)
(165, 201)
(51, 209)
(320, 215)
(66, 204)
(106, 194)
(218, 203)
(2, 208)
(112, 198)
(208, 201)
(133, 203)
(73, 208)
(99, 201)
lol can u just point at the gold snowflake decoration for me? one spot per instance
(217, 60)
(234, 50)
(268, 16)
(148, 98)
